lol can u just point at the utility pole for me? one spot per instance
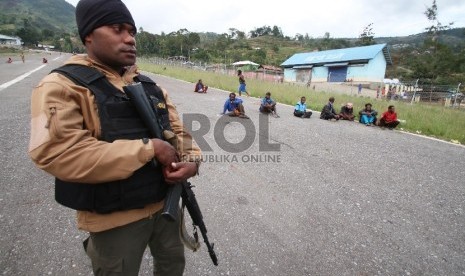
(456, 94)
(414, 91)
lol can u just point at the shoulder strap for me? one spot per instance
(143, 78)
(80, 74)
(92, 79)
(85, 76)
(99, 85)
(150, 86)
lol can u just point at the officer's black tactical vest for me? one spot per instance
(119, 120)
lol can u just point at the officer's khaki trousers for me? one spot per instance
(119, 251)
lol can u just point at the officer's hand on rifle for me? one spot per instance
(165, 153)
(178, 172)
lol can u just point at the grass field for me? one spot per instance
(434, 121)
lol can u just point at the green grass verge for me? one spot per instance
(434, 121)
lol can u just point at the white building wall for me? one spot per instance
(374, 71)
(289, 75)
(320, 74)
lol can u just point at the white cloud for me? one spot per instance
(340, 18)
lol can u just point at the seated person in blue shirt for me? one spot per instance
(233, 107)
(368, 115)
(300, 109)
(268, 105)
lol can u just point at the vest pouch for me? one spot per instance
(144, 188)
(124, 117)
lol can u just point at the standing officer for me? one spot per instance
(86, 133)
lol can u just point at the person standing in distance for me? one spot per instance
(100, 152)
(242, 85)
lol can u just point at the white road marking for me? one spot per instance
(20, 78)
(430, 138)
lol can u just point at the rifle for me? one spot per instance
(145, 109)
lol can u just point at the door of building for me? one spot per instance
(337, 74)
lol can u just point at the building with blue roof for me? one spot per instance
(10, 41)
(358, 64)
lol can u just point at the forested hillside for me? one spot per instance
(438, 56)
(52, 16)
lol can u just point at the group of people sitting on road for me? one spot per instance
(367, 116)
(233, 106)
(23, 59)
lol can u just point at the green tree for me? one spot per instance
(261, 31)
(325, 43)
(68, 44)
(28, 33)
(47, 34)
(435, 59)
(147, 43)
(367, 36)
(277, 31)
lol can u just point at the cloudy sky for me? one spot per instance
(341, 18)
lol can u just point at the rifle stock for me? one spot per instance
(137, 95)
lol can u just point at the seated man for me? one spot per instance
(347, 112)
(300, 109)
(200, 87)
(234, 107)
(368, 115)
(328, 112)
(268, 105)
(389, 118)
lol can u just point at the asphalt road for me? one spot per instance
(331, 198)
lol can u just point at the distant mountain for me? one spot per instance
(56, 16)
(454, 38)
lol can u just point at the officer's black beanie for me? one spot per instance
(92, 14)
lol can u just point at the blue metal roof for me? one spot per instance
(339, 55)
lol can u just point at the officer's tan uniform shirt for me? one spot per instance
(64, 131)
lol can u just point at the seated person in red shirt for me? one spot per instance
(389, 118)
(200, 87)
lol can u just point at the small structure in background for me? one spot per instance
(246, 65)
(270, 73)
(10, 41)
(178, 58)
